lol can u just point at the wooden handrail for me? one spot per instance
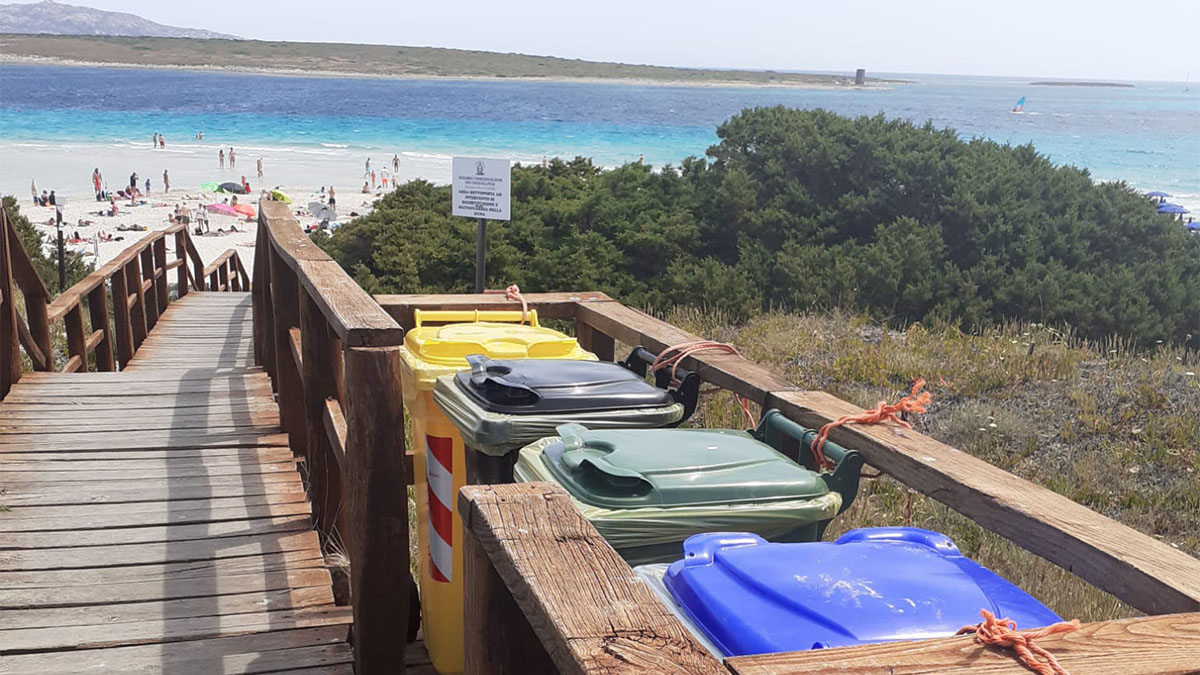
(333, 356)
(138, 277)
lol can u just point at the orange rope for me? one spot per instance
(513, 293)
(1003, 633)
(673, 355)
(915, 402)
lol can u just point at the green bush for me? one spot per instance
(800, 209)
(45, 264)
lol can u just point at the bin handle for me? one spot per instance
(421, 316)
(686, 392)
(775, 428)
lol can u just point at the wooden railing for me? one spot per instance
(138, 283)
(523, 583)
(226, 273)
(334, 360)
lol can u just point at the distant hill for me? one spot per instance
(376, 60)
(55, 18)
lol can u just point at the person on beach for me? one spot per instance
(166, 182)
(395, 163)
(221, 157)
(232, 158)
(233, 202)
(260, 167)
(51, 200)
(332, 199)
(366, 189)
(147, 186)
(368, 167)
(33, 189)
(97, 181)
(44, 200)
(162, 142)
(372, 180)
(245, 185)
(154, 141)
(133, 181)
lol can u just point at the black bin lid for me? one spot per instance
(534, 386)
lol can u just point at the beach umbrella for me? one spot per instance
(245, 210)
(223, 209)
(235, 188)
(1172, 208)
(321, 211)
(209, 187)
(1194, 226)
(1157, 193)
(281, 196)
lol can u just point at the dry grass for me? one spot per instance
(1108, 426)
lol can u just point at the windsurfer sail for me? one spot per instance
(1019, 106)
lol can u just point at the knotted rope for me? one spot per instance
(1003, 633)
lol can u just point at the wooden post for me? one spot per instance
(591, 339)
(38, 315)
(223, 276)
(10, 348)
(589, 610)
(162, 288)
(181, 278)
(325, 476)
(257, 299)
(98, 315)
(121, 319)
(378, 508)
(285, 305)
(150, 294)
(137, 314)
(76, 340)
(499, 638)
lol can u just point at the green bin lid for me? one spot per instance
(674, 467)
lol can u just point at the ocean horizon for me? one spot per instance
(57, 121)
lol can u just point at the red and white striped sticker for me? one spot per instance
(439, 477)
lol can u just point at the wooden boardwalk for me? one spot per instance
(157, 519)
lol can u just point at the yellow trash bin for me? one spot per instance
(439, 465)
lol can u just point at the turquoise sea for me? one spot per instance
(1148, 135)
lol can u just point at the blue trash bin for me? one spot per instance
(748, 596)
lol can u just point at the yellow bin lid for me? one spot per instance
(432, 351)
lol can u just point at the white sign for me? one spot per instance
(480, 188)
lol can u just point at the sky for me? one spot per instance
(1093, 39)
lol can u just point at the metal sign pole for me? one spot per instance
(480, 254)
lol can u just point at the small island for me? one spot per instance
(1082, 84)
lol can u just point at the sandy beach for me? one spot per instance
(189, 164)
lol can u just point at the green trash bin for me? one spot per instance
(646, 491)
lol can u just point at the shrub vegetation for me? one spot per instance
(796, 209)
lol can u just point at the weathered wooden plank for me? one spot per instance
(725, 370)
(147, 591)
(1151, 644)
(215, 388)
(248, 472)
(256, 653)
(167, 629)
(1146, 573)
(548, 305)
(113, 493)
(218, 455)
(140, 518)
(153, 439)
(182, 574)
(216, 606)
(252, 464)
(265, 425)
(589, 609)
(149, 535)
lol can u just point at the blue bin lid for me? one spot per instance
(871, 585)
